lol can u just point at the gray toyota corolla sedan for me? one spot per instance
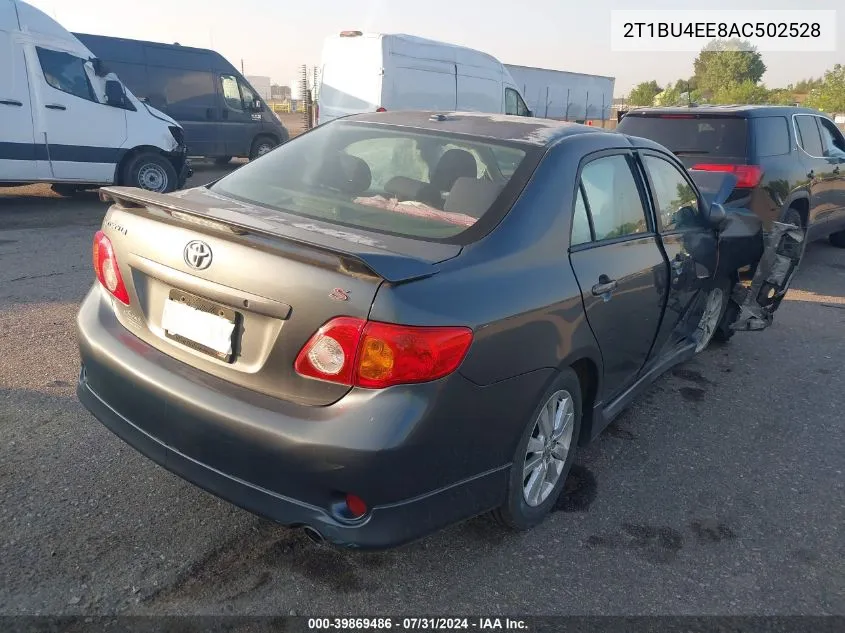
(400, 320)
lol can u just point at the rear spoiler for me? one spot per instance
(390, 266)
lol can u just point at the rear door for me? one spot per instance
(619, 266)
(820, 171)
(833, 147)
(689, 243)
(21, 158)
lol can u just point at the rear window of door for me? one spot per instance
(675, 199)
(808, 135)
(611, 198)
(720, 137)
(771, 136)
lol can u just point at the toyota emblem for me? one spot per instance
(198, 255)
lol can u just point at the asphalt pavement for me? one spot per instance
(721, 491)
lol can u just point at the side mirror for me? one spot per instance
(115, 95)
(529, 113)
(716, 215)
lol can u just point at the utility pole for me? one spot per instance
(242, 67)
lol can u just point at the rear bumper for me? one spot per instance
(421, 457)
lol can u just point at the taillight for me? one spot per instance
(381, 109)
(376, 355)
(747, 176)
(106, 268)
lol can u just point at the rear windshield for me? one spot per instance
(385, 179)
(691, 135)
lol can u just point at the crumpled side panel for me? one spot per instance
(784, 247)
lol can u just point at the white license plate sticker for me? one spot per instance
(208, 330)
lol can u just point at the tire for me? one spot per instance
(222, 160)
(66, 190)
(261, 145)
(723, 331)
(152, 172)
(517, 513)
(716, 316)
(837, 239)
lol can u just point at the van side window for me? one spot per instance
(514, 103)
(231, 92)
(249, 96)
(66, 72)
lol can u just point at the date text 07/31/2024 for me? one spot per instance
(417, 624)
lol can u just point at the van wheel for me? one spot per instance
(544, 455)
(261, 145)
(222, 160)
(838, 239)
(66, 190)
(152, 172)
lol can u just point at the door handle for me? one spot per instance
(11, 102)
(55, 106)
(604, 286)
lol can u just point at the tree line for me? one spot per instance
(730, 71)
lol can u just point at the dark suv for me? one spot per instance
(789, 162)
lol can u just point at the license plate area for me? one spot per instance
(200, 324)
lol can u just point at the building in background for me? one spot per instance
(262, 86)
(280, 93)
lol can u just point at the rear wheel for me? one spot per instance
(261, 145)
(544, 455)
(838, 239)
(152, 172)
(713, 320)
(222, 160)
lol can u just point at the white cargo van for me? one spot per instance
(66, 120)
(371, 72)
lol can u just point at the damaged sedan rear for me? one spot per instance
(401, 320)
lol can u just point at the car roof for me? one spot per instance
(518, 129)
(742, 110)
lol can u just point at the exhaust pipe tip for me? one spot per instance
(313, 535)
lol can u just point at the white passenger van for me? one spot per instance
(371, 72)
(64, 119)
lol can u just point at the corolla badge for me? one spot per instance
(198, 255)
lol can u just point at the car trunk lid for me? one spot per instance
(275, 278)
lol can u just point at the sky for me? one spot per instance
(275, 37)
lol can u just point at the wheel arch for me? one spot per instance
(129, 154)
(588, 368)
(800, 201)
